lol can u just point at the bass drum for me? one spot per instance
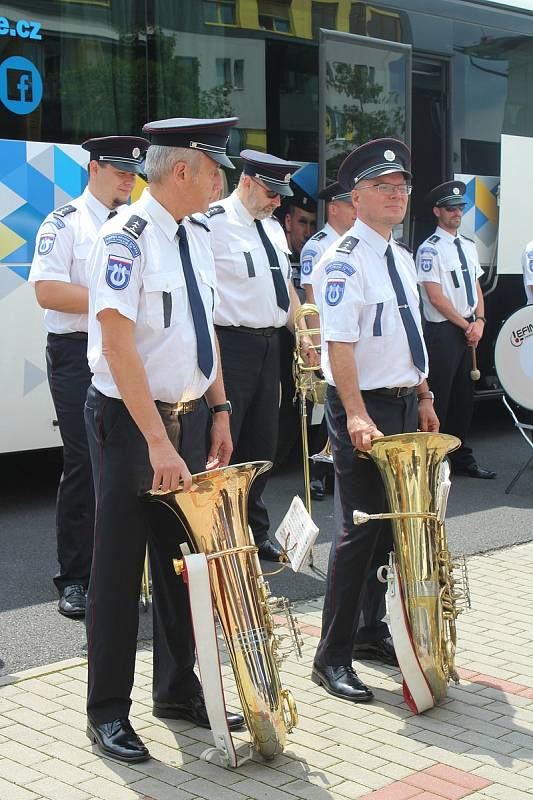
(513, 356)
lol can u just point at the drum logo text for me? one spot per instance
(518, 336)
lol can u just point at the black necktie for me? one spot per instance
(112, 214)
(204, 348)
(413, 336)
(280, 287)
(466, 274)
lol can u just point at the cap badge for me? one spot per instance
(287, 177)
(455, 190)
(135, 153)
(304, 201)
(390, 155)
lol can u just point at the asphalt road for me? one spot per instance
(481, 517)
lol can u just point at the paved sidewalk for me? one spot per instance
(478, 744)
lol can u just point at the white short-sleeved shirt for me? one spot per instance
(244, 280)
(314, 249)
(142, 278)
(437, 261)
(527, 269)
(357, 303)
(63, 243)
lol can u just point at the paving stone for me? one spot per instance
(17, 773)
(199, 787)
(54, 789)
(11, 792)
(157, 790)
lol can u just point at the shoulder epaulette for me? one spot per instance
(434, 239)
(199, 222)
(347, 245)
(214, 210)
(405, 247)
(318, 236)
(468, 239)
(64, 210)
(135, 226)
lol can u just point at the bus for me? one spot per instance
(309, 80)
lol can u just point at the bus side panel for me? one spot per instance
(35, 178)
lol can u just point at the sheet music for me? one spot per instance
(297, 533)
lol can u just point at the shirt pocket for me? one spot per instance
(80, 253)
(379, 315)
(207, 286)
(166, 300)
(248, 260)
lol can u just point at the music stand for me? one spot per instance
(513, 357)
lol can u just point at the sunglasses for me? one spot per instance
(269, 194)
(453, 208)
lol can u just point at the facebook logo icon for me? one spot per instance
(21, 86)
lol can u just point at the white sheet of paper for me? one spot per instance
(297, 533)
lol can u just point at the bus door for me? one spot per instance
(364, 93)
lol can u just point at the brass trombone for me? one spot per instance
(309, 386)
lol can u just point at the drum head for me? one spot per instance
(513, 356)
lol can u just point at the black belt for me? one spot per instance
(396, 391)
(244, 329)
(73, 335)
(177, 409)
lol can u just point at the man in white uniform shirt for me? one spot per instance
(257, 299)
(153, 354)
(452, 300)
(375, 362)
(527, 269)
(59, 271)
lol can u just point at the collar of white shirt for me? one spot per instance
(363, 231)
(240, 210)
(158, 213)
(94, 205)
(446, 235)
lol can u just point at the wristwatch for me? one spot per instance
(481, 318)
(221, 407)
(425, 396)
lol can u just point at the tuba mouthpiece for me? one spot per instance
(360, 517)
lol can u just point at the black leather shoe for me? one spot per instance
(269, 550)
(118, 740)
(475, 472)
(72, 601)
(341, 682)
(318, 488)
(195, 711)
(376, 651)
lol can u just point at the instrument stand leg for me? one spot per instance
(519, 474)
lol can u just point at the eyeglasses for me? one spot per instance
(389, 188)
(269, 194)
(453, 208)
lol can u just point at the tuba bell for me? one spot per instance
(425, 594)
(214, 515)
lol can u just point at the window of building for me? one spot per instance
(220, 12)
(238, 73)
(367, 20)
(274, 15)
(223, 70)
(323, 15)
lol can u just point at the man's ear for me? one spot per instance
(288, 221)
(179, 171)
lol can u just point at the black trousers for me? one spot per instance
(123, 525)
(357, 549)
(250, 365)
(289, 416)
(69, 378)
(450, 362)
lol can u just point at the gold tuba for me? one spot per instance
(416, 480)
(214, 514)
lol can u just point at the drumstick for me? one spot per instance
(475, 374)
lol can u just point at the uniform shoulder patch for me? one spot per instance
(135, 226)
(402, 244)
(198, 221)
(214, 210)
(64, 211)
(468, 239)
(318, 236)
(340, 266)
(434, 239)
(347, 244)
(125, 241)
